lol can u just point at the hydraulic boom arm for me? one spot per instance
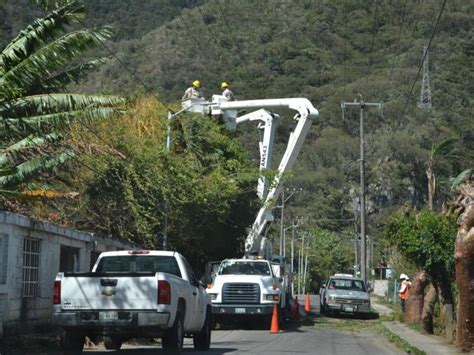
(306, 113)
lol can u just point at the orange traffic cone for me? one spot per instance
(296, 309)
(275, 328)
(307, 304)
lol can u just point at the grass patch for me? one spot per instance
(346, 324)
(399, 342)
(396, 310)
(358, 325)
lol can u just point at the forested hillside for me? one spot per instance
(327, 51)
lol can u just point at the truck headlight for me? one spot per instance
(331, 298)
(212, 296)
(275, 298)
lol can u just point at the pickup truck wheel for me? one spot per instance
(112, 343)
(71, 342)
(323, 309)
(202, 339)
(173, 339)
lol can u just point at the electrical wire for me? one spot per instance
(226, 22)
(409, 94)
(372, 43)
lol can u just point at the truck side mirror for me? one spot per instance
(205, 280)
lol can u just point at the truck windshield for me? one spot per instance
(139, 263)
(346, 284)
(244, 268)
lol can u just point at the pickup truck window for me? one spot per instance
(244, 268)
(139, 263)
(346, 284)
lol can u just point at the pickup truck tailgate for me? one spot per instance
(109, 291)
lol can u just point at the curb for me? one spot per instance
(400, 342)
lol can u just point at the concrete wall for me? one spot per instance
(380, 287)
(18, 312)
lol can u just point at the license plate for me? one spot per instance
(240, 310)
(111, 315)
(349, 309)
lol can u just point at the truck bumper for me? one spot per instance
(347, 308)
(242, 310)
(92, 319)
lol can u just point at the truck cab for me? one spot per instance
(244, 287)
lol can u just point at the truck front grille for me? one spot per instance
(241, 293)
(353, 301)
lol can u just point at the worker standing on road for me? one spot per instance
(226, 91)
(193, 92)
(404, 290)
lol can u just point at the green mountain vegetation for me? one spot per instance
(327, 51)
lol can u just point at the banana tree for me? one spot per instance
(35, 113)
(442, 149)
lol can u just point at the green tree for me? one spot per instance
(34, 112)
(330, 253)
(205, 184)
(427, 238)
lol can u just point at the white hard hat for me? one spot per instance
(404, 277)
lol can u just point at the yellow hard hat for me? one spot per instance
(197, 83)
(224, 85)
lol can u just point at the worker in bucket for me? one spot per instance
(405, 285)
(226, 91)
(193, 92)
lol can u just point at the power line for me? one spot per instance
(190, 34)
(397, 47)
(372, 43)
(409, 94)
(233, 38)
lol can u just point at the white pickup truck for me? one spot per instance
(244, 287)
(132, 294)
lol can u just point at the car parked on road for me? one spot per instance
(344, 293)
(133, 294)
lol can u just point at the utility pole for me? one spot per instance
(282, 219)
(282, 231)
(363, 248)
(165, 219)
(425, 92)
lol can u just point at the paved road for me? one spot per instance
(302, 340)
(298, 338)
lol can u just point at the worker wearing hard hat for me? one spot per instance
(226, 91)
(404, 290)
(193, 92)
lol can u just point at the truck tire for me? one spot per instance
(72, 342)
(112, 343)
(173, 339)
(202, 339)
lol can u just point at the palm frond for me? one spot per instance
(71, 75)
(33, 140)
(57, 121)
(31, 168)
(444, 148)
(56, 103)
(41, 65)
(466, 174)
(36, 34)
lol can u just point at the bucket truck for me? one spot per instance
(253, 284)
